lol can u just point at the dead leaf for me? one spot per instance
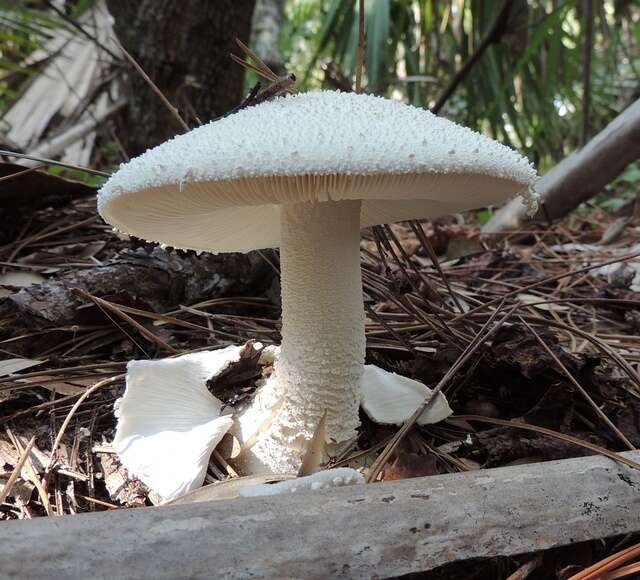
(15, 365)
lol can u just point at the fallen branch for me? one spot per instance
(581, 175)
(158, 278)
(383, 530)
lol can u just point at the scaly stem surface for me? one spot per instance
(323, 342)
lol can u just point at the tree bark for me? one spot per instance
(161, 279)
(581, 175)
(184, 48)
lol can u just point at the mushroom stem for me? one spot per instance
(323, 342)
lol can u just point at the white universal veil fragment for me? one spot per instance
(304, 173)
(168, 421)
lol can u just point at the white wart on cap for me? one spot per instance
(304, 173)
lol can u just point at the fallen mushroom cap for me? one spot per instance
(218, 187)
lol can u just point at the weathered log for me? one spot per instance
(581, 175)
(377, 530)
(163, 280)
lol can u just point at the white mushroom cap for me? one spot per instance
(219, 187)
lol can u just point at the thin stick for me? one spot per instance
(21, 173)
(106, 504)
(526, 569)
(222, 461)
(578, 386)
(361, 41)
(56, 163)
(607, 564)
(153, 86)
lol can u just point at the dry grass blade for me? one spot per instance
(316, 449)
(578, 386)
(551, 433)
(22, 173)
(33, 474)
(173, 110)
(67, 421)
(115, 309)
(600, 570)
(6, 490)
(484, 333)
(44, 161)
(426, 244)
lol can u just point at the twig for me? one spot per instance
(361, 41)
(527, 568)
(56, 163)
(21, 173)
(104, 304)
(33, 476)
(597, 571)
(173, 110)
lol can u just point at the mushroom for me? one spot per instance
(304, 173)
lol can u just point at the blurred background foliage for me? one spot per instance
(526, 89)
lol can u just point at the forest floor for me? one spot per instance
(562, 301)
